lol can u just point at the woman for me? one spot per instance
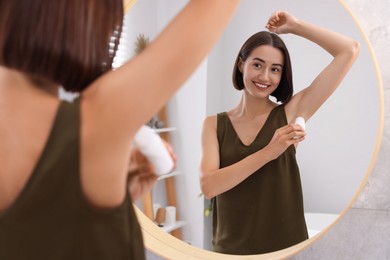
(248, 163)
(64, 166)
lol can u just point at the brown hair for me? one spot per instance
(284, 91)
(66, 42)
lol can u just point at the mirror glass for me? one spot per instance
(335, 156)
(342, 136)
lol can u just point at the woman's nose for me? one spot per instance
(264, 75)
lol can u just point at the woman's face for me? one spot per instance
(262, 71)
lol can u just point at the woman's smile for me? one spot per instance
(261, 85)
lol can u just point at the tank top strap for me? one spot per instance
(222, 124)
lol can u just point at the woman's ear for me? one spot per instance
(240, 64)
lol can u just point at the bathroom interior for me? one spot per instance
(344, 139)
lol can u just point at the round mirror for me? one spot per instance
(343, 136)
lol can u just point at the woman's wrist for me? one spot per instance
(298, 27)
(266, 154)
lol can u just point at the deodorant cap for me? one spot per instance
(300, 121)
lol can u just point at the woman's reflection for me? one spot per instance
(248, 153)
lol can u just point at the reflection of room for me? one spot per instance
(328, 193)
(330, 176)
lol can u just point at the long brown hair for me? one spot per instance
(284, 91)
(66, 42)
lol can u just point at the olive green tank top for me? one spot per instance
(51, 219)
(263, 213)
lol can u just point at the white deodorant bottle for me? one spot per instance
(151, 145)
(300, 121)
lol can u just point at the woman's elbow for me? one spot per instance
(207, 195)
(350, 52)
(354, 49)
(207, 191)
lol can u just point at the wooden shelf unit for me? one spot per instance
(169, 179)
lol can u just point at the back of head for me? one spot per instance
(66, 42)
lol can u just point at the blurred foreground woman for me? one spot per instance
(64, 166)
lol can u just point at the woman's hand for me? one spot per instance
(281, 22)
(171, 152)
(283, 138)
(141, 175)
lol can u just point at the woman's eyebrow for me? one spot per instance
(263, 61)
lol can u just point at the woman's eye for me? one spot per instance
(257, 65)
(276, 70)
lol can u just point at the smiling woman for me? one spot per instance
(268, 62)
(248, 153)
(332, 171)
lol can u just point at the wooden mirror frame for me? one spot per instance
(165, 245)
(127, 4)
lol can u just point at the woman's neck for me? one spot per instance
(250, 107)
(13, 82)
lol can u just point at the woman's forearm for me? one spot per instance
(334, 43)
(216, 182)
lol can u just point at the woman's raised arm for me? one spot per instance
(343, 49)
(122, 100)
(115, 106)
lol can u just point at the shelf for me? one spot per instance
(177, 225)
(167, 179)
(165, 176)
(164, 130)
